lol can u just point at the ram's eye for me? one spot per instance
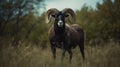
(66, 15)
(53, 15)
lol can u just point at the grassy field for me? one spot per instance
(34, 56)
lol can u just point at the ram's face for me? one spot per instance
(60, 19)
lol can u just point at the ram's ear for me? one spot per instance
(50, 13)
(70, 12)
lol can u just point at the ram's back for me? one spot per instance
(73, 33)
(79, 30)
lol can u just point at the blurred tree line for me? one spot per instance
(20, 22)
(101, 24)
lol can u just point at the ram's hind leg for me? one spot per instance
(81, 45)
(70, 53)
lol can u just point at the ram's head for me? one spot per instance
(60, 16)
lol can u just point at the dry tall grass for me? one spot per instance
(33, 56)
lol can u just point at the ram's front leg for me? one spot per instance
(64, 48)
(53, 51)
(63, 54)
(53, 48)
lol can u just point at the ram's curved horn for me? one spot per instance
(71, 12)
(50, 12)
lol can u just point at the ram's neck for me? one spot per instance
(59, 30)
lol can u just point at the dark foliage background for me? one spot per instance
(23, 32)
